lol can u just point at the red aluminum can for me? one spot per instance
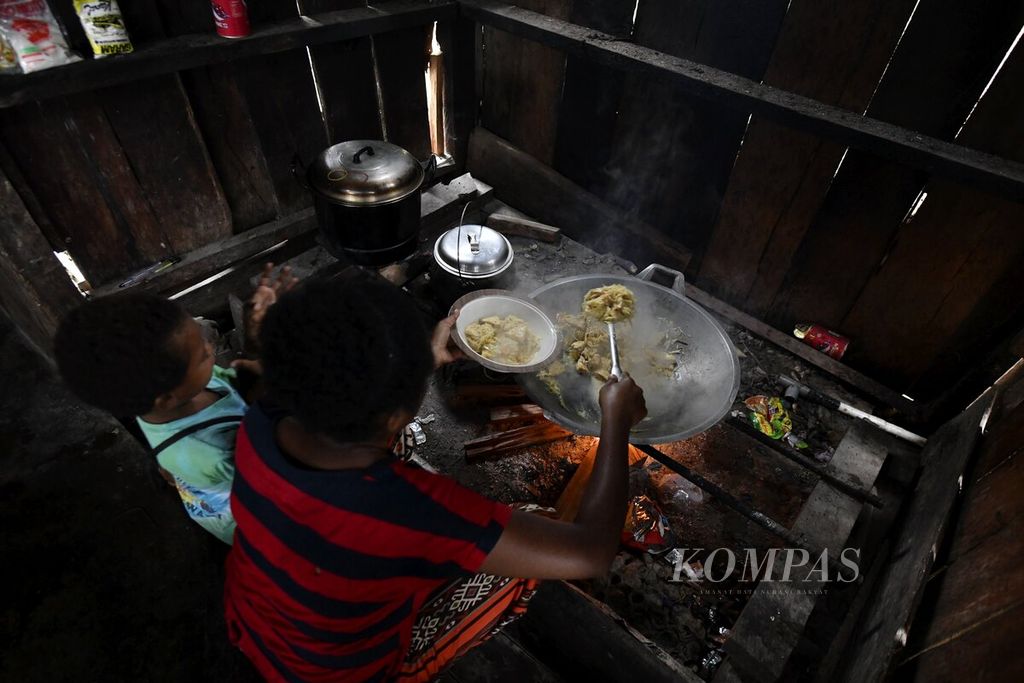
(828, 342)
(231, 17)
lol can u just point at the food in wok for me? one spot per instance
(650, 349)
(610, 304)
(505, 339)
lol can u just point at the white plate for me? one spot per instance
(499, 302)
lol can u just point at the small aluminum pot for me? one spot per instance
(469, 258)
(366, 194)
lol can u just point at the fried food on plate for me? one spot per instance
(507, 339)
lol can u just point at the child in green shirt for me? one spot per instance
(143, 356)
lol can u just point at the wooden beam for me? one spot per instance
(207, 260)
(986, 171)
(439, 205)
(190, 51)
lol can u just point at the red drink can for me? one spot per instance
(231, 18)
(828, 342)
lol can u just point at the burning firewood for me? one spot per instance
(569, 502)
(502, 443)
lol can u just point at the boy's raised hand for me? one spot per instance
(445, 350)
(266, 294)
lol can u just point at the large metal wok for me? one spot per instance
(697, 394)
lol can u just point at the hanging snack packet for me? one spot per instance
(104, 26)
(34, 35)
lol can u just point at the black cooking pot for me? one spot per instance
(366, 194)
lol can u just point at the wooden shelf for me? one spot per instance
(191, 51)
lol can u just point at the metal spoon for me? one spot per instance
(616, 370)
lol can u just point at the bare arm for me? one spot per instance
(537, 547)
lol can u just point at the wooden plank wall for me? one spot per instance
(126, 175)
(971, 632)
(781, 224)
(784, 225)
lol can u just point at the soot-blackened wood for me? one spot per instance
(222, 115)
(219, 108)
(345, 77)
(538, 190)
(35, 290)
(834, 52)
(401, 61)
(523, 85)
(982, 584)
(180, 18)
(70, 187)
(283, 105)
(943, 62)
(920, 151)
(590, 99)
(161, 141)
(947, 260)
(672, 153)
(884, 627)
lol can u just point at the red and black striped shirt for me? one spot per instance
(329, 568)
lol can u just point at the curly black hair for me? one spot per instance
(119, 353)
(345, 354)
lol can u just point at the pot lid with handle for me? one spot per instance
(473, 252)
(365, 173)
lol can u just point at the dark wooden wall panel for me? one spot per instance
(949, 257)
(522, 85)
(222, 114)
(401, 64)
(938, 71)
(672, 154)
(345, 75)
(590, 99)
(157, 131)
(974, 630)
(70, 174)
(34, 289)
(835, 52)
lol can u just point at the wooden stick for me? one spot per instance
(503, 416)
(513, 225)
(514, 439)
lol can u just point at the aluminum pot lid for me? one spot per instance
(365, 173)
(473, 251)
